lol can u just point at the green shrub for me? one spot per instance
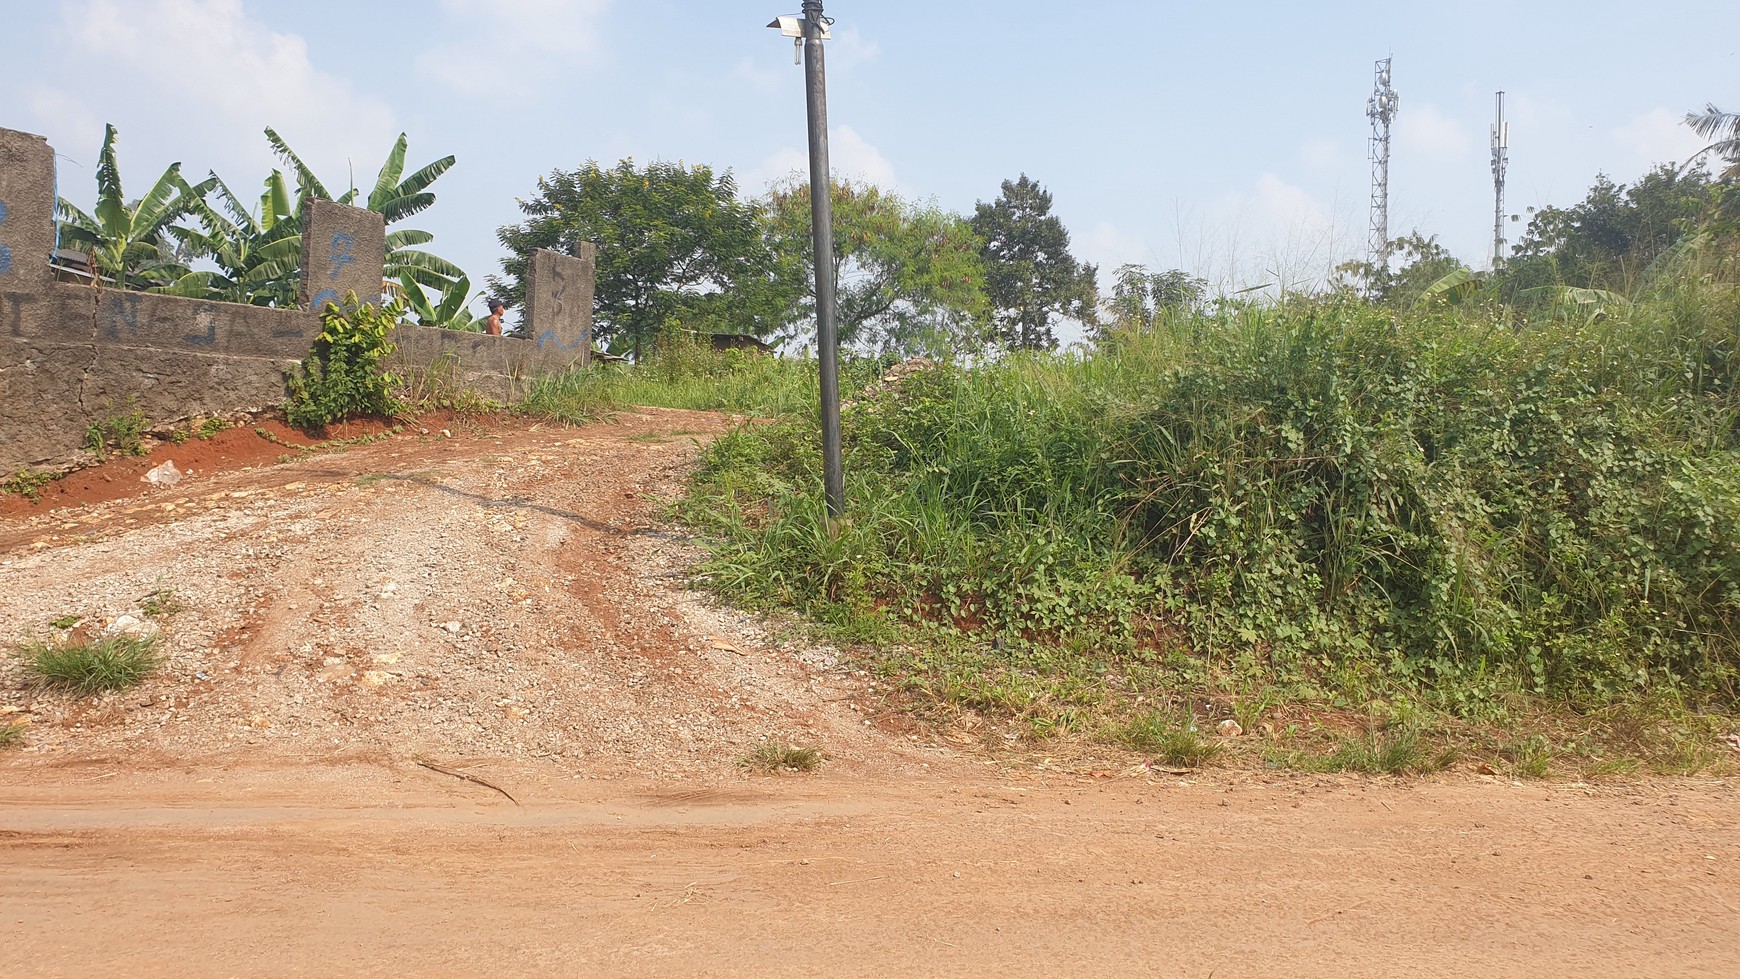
(27, 483)
(124, 431)
(1321, 496)
(112, 663)
(345, 376)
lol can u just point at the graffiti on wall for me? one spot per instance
(5, 252)
(342, 253)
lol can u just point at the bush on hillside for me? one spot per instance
(1308, 491)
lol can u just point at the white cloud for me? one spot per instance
(853, 158)
(850, 156)
(1658, 136)
(124, 62)
(1108, 246)
(1428, 132)
(1278, 234)
(511, 45)
(849, 49)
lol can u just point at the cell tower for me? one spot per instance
(1500, 160)
(1381, 110)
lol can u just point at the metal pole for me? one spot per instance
(822, 236)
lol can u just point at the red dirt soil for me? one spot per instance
(505, 602)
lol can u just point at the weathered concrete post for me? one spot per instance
(26, 223)
(343, 251)
(559, 303)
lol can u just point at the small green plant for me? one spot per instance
(440, 387)
(1529, 757)
(112, 663)
(210, 427)
(180, 436)
(1389, 752)
(774, 756)
(11, 735)
(160, 603)
(345, 374)
(1174, 741)
(122, 431)
(66, 621)
(27, 483)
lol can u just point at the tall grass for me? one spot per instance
(1317, 494)
(680, 375)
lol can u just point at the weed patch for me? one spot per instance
(27, 483)
(109, 664)
(1173, 740)
(120, 431)
(773, 756)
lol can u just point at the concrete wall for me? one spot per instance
(73, 355)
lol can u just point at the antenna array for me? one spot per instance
(1381, 110)
(1500, 161)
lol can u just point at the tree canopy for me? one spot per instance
(674, 243)
(1032, 279)
(910, 278)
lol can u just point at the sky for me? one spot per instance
(1227, 139)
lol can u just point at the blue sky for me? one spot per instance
(1228, 139)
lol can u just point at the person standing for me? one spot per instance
(492, 326)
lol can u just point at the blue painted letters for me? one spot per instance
(343, 253)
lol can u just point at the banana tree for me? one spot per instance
(257, 251)
(129, 241)
(395, 197)
(449, 312)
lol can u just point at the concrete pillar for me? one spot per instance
(559, 302)
(26, 212)
(343, 250)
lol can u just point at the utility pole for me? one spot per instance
(812, 30)
(1500, 161)
(1381, 110)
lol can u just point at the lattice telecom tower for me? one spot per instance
(1500, 160)
(1381, 110)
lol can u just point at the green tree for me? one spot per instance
(257, 251)
(395, 197)
(447, 312)
(1609, 239)
(674, 243)
(910, 279)
(1419, 263)
(128, 241)
(1032, 279)
(1724, 129)
(1140, 296)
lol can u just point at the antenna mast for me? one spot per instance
(1500, 161)
(1381, 110)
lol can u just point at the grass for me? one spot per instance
(1300, 508)
(682, 374)
(11, 735)
(106, 665)
(773, 756)
(1172, 739)
(160, 603)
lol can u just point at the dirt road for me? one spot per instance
(505, 602)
